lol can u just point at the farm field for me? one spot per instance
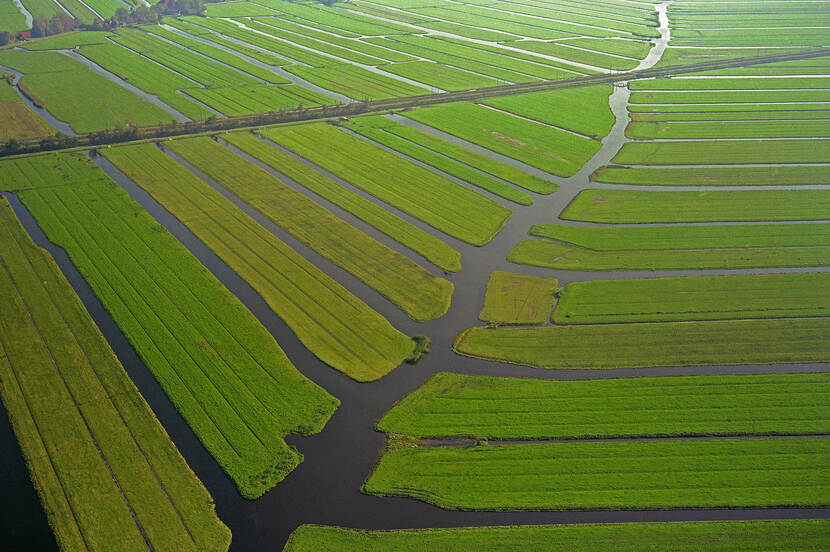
(716, 536)
(455, 405)
(417, 292)
(714, 176)
(627, 474)
(313, 305)
(83, 427)
(675, 247)
(16, 119)
(518, 299)
(237, 390)
(355, 82)
(724, 152)
(444, 205)
(729, 129)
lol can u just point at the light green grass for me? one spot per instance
(794, 114)
(518, 299)
(728, 83)
(714, 536)
(729, 473)
(68, 40)
(336, 326)
(724, 152)
(107, 474)
(355, 82)
(423, 243)
(695, 298)
(439, 202)
(729, 129)
(456, 405)
(418, 293)
(440, 76)
(563, 51)
(714, 176)
(606, 346)
(729, 96)
(257, 98)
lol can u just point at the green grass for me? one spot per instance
(620, 206)
(194, 29)
(84, 429)
(675, 247)
(729, 129)
(69, 40)
(374, 128)
(440, 76)
(794, 114)
(714, 536)
(336, 326)
(418, 293)
(562, 51)
(247, 99)
(11, 19)
(714, 176)
(455, 405)
(428, 246)
(584, 110)
(518, 299)
(316, 15)
(221, 369)
(16, 119)
(544, 147)
(729, 96)
(437, 201)
(620, 46)
(355, 82)
(695, 298)
(729, 473)
(724, 152)
(728, 83)
(605, 346)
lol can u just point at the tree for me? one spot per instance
(5, 38)
(40, 26)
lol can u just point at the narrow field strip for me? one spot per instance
(221, 369)
(335, 325)
(107, 473)
(695, 298)
(724, 152)
(675, 247)
(607, 346)
(518, 299)
(714, 536)
(428, 246)
(441, 203)
(729, 129)
(418, 293)
(715, 176)
(455, 405)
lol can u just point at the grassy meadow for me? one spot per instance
(518, 299)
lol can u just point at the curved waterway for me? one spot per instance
(325, 487)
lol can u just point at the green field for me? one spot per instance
(728, 129)
(695, 298)
(545, 147)
(418, 293)
(16, 119)
(440, 76)
(728, 473)
(314, 306)
(83, 427)
(675, 247)
(629, 206)
(730, 96)
(355, 82)
(11, 18)
(724, 152)
(714, 176)
(455, 405)
(563, 51)
(415, 190)
(794, 113)
(257, 98)
(425, 244)
(603, 346)
(518, 299)
(697, 83)
(718, 536)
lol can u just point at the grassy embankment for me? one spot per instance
(518, 299)
(221, 369)
(417, 292)
(336, 326)
(108, 475)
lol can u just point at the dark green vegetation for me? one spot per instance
(453, 405)
(227, 377)
(439, 202)
(417, 292)
(715, 176)
(603, 346)
(695, 298)
(625, 474)
(518, 299)
(107, 473)
(624, 206)
(428, 246)
(675, 247)
(717, 536)
(315, 306)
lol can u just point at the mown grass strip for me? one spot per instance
(428, 246)
(455, 405)
(441, 203)
(714, 176)
(670, 536)
(418, 293)
(728, 473)
(605, 346)
(336, 326)
(518, 299)
(107, 473)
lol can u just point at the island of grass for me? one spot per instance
(108, 475)
(672, 536)
(518, 299)
(219, 366)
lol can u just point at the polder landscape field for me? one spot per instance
(415, 275)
